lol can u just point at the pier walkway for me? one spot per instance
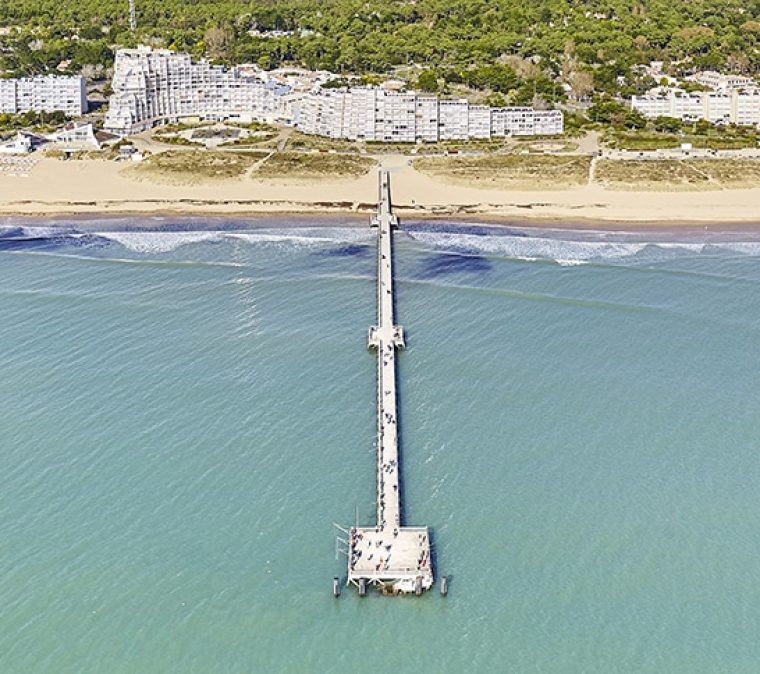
(393, 557)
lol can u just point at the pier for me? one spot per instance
(390, 556)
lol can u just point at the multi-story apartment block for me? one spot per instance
(747, 111)
(479, 121)
(655, 105)
(44, 93)
(452, 120)
(426, 119)
(720, 109)
(360, 114)
(526, 122)
(157, 86)
(323, 114)
(396, 117)
(721, 81)
(734, 107)
(545, 122)
(8, 96)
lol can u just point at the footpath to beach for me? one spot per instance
(97, 187)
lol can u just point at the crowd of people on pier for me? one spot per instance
(380, 550)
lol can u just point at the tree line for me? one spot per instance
(508, 48)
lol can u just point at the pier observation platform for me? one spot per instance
(390, 556)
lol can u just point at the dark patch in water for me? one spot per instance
(351, 250)
(453, 263)
(25, 243)
(11, 233)
(20, 239)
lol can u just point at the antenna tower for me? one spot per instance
(132, 16)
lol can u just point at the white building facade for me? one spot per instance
(155, 86)
(525, 122)
(426, 119)
(734, 107)
(479, 121)
(452, 120)
(44, 93)
(721, 81)
(375, 115)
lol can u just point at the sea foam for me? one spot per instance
(582, 248)
(563, 247)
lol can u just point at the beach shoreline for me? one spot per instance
(92, 223)
(93, 189)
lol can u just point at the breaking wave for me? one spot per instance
(562, 247)
(582, 248)
(158, 241)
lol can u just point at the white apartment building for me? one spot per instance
(360, 114)
(8, 96)
(372, 114)
(153, 86)
(453, 120)
(426, 119)
(479, 121)
(526, 122)
(719, 108)
(44, 93)
(735, 107)
(670, 104)
(396, 117)
(747, 111)
(721, 81)
(323, 115)
(545, 122)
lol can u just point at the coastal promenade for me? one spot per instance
(394, 558)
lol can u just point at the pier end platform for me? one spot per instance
(396, 561)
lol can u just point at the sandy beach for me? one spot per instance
(54, 187)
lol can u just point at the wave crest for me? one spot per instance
(583, 248)
(156, 241)
(563, 247)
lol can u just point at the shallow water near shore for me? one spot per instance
(186, 411)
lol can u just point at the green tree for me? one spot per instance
(608, 111)
(668, 124)
(491, 45)
(496, 100)
(634, 119)
(427, 81)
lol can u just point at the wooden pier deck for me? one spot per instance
(393, 557)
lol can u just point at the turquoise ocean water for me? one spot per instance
(185, 412)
